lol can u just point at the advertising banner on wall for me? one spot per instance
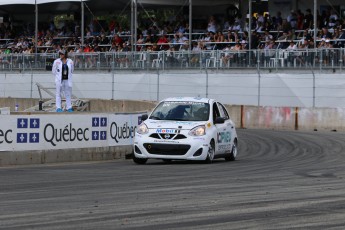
(7, 129)
(42, 132)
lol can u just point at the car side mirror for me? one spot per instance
(144, 117)
(220, 120)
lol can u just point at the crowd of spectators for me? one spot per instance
(268, 32)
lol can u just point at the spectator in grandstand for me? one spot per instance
(333, 16)
(212, 24)
(308, 20)
(236, 36)
(197, 48)
(260, 18)
(226, 55)
(324, 18)
(234, 54)
(284, 39)
(89, 59)
(172, 56)
(3, 57)
(325, 33)
(140, 40)
(244, 45)
(339, 36)
(208, 40)
(291, 51)
(267, 36)
(300, 19)
(104, 40)
(182, 27)
(48, 41)
(182, 38)
(117, 40)
(125, 47)
(292, 19)
(304, 56)
(305, 35)
(285, 26)
(227, 22)
(230, 37)
(259, 27)
(27, 50)
(149, 39)
(75, 55)
(236, 26)
(123, 56)
(322, 43)
(268, 50)
(279, 19)
(63, 70)
(255, 40)
(174, 40)
(162, 42)
(329, 51)
(244, 36)
(220, 39)
(113, 48)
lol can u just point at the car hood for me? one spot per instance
(157, 124)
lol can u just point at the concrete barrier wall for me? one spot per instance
(95, 105)
(292, 118)
(244, 116)
(64, 155)
(236, 88)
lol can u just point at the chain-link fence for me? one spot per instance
(273, 59)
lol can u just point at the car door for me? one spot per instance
(221, 130)
(225, 131)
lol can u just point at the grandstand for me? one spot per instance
(172, 35)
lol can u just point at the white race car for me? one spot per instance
(186, 128)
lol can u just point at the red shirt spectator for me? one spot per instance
(162, 39)
(117, 40)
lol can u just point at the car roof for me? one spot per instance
(192, 99)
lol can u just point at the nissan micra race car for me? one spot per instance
(186, 128)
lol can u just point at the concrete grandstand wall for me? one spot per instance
(266, 89)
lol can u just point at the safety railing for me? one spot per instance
(273, 59)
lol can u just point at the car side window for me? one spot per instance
(223, 113)
(216, 112)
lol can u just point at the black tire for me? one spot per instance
(139, 161)
(210, 153)
(233, 153)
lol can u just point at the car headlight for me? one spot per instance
(142, 129)
(198, 131)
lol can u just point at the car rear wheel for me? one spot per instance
(139, 161)
(233, 153)
(210, 153)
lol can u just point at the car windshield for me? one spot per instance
(181, 111)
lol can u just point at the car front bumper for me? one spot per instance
(191, 148)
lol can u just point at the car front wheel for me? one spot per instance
(210, 153)
(232, 155)
(140, 161)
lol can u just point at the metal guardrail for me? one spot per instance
(205, 59)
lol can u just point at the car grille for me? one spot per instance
(166, 149)
(167, 136)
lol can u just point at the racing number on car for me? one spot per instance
(224, 137)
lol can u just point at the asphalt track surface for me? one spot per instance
(280, 180)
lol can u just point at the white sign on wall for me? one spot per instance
(42, 132)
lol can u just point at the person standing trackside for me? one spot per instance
(63, 68)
